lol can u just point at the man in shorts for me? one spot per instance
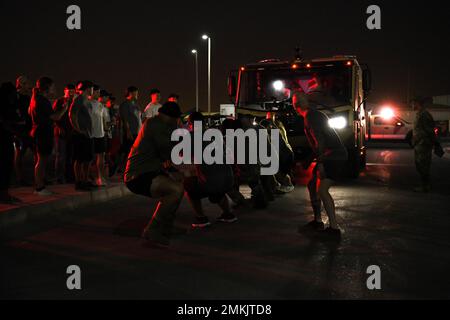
(331, 156)
(149, 172)
(99, 117)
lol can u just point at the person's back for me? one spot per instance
(40, 110)
(151, 149)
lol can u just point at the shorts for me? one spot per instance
(99, 145)
(83, 148)
(334, 169)
(43, 140)
(195, 191)
(142, 184)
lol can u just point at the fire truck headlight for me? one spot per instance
(278, 85)
(338, 123)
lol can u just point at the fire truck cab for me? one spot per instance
(338, 86)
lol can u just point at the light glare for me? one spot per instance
(338, 123)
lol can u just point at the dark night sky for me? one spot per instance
(148, 43)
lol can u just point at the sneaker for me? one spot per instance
(201, 222)
(227, 218)
(101, 184)
(314, 225)
(43, 193)
(285, 189)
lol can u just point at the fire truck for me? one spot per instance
(338, 86)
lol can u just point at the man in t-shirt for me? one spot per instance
(331, 156)
(8, 120)
(149, 172)
(63, 136)
(153, 107)
(130, 116)
(99, 117)
(83, 149)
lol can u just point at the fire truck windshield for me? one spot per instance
(325, 86)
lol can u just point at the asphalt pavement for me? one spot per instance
(262, 256)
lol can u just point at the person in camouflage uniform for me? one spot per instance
(424, 139)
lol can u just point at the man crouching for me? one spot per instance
(149, 172)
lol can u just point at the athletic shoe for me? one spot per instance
(227, 218)
(201, 222)
(43, 193)
(314, 225)
(285, 189)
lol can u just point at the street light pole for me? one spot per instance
(195, 52)
(206, 37)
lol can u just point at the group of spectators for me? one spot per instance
(88, 133)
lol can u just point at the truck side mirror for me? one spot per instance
(232, 90)
(367, 79)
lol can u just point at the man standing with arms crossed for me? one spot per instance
(331, 156)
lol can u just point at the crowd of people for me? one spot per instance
(85, 133)
(92, 138)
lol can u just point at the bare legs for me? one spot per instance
(100, 168)
(170, 193)
(39, 171)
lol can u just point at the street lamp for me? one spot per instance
(206, 37)
(195, 53)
